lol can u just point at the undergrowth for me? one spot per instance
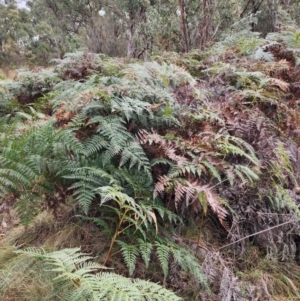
(139, 152)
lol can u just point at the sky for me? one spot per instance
(22, 3)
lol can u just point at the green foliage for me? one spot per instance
(130, 253)
(140, 29)
(241, 35)
(163, 249)
(260, 54)
(289, 33)
(76, 277)
(281, 199)
(32, 163)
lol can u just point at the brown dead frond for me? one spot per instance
(167, 147)
(155, 106)
(281, 84)
(62, 115)
(284, 64)
(190, 193)
(214, 202)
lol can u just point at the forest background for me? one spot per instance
(34, 32)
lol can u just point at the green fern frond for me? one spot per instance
(108, 193)
(84, 194)
(188, 263)
(206, 114)
(242, 170)
(127, 207)
(213, 170)
(187, 169)
(164, 213)
(282, 198)
(28, 206)
(145, 249)
(230, 175)
(260, 54)
(19, 173)
(163, 254)
(33, 251)
(282, 168)
(75, 277)
(175, 76)
(112, 128)
(95, 144)
(132, 109)
(155, 292)
(134, 182)
(87, 180)
(121, 288)
(228, 144)
(163, 249)
(130, 253)
(135, 155)
(161, 161)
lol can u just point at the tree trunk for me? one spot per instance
(130, 31)
(183, 25)
(205, 25)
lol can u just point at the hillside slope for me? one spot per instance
(183, 171)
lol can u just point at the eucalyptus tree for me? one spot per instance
(71, 24)
(136, 28)
(57, 25)
(14, 34)
(132, 15)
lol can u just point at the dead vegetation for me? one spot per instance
(228, 166)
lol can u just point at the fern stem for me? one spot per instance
(111, 246)
(199, 233)
(117, 233)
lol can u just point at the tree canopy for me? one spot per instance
(47, 29)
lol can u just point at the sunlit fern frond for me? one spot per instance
(75, 277)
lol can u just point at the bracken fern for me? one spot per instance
(75, 277)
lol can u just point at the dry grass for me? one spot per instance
(8, 73)
(23, 279)
(273, 279)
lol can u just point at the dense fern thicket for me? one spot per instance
(186, 165)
